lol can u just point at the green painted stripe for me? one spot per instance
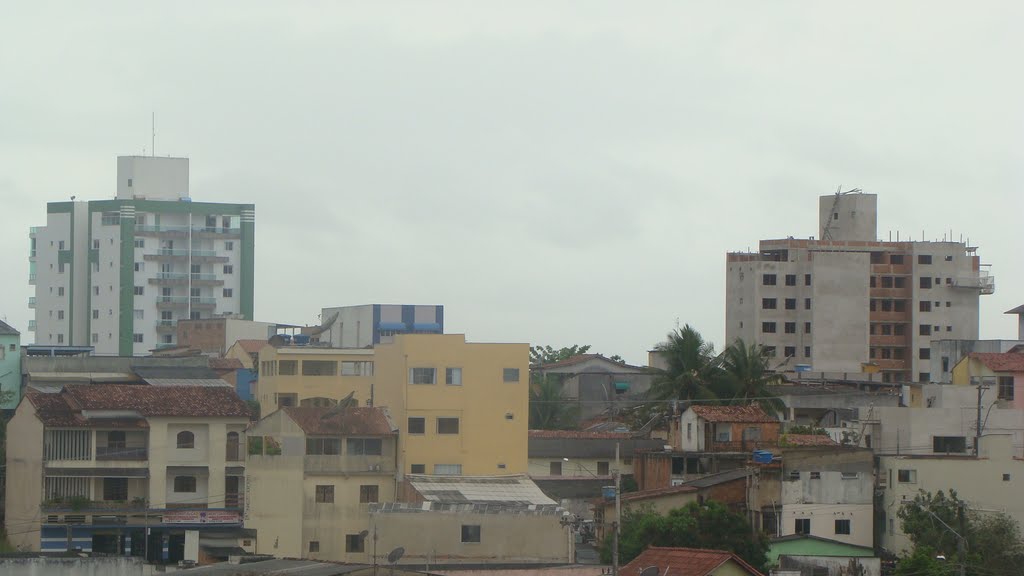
(126, 319)
(94, 256)
(248, 270)
(59, 207)
(68, 257)
(171, 207)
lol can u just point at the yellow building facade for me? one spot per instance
(311, 376)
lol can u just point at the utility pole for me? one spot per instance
(618, 515)
(961, 544)
(977, 437)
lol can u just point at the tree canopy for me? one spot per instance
(709, 525)
(549, 355)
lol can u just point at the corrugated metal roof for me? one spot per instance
(513, 490)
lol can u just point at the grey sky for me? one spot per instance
(551, 172)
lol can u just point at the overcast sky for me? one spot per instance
(552, 172)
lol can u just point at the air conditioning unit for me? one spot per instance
(375, 467)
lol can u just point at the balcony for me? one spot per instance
(878, 340)
(86, 506)
(33, 230)
(349, 465)
(184, 279)
(32, 279)
(221, 232)
(171, 302)
(234, 500)
(984, 282)
(174, 254)
(182, 231)
(32, 325)
(166, 326)
(107, 453)
(32, 302)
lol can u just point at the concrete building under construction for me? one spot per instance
(848, 302)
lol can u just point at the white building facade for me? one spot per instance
(118, 274)
(849, 299)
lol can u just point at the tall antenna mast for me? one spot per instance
(152, 148)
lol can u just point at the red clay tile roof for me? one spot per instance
(807, 440)
(363, 421)
(1005, 362)
(252, 346)
(684, 562)
(751, 413)
(579, 434)
(225, 364)
(211, 401)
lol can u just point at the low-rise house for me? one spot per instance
(472, 520)
(821, 490)
(1003, 372)
(10, 366)
(312, 474)
(812, 555)
(726, 429)
(689, 562)
(596, 384)
(125, 469)
(991, 481)
(247, 352)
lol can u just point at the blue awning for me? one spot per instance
(426, 327)
(392, 326)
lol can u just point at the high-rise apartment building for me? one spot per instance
(118, 274)
(848, 301)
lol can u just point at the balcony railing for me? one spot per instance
(983, 282)
(185, 229)
(328, 464)
(121, 453)
(234, 500)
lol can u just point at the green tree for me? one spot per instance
(692, 370)
(746, 375)
(922, 562)
(710, 525)
(549, 355)
(549, 410)
(993, 539)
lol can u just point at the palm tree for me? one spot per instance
(549, 410)
(691, 371)
(745, 371)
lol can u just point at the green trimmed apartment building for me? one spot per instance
(118, 274)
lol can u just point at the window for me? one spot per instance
(815, 475)
(906, 476)
(807, 351)
(368, 493)
(886, 281)
(60, 291)
(140, 243)
(447, 425)
(768, 327)
(288, 367)
(768, 303)
(807, 303)
(924, 259)
(1006, 387)
(453, 376)
(229, 246)
(195, 292)
(790, 327)
(364, 446)
(843, 527)
(949, 444)
(849, 475)
(314, 546)
(60, 245)
(185, 484)
(95, 337)
(1006, 477)
(807, 327)
(115, 489)
(790, 303)
(924, 353)
(140, 266)
(139, 314)
(349, 368)
(323, 446)
(896, 259)
(60, 338)
(228, 292)
(790, 279)
(138, 290)
(417, 425)
(470, 533)
(769, 351)
(924, 306)
(229, 269)
(319, 367)
(137, 338)
(510, 374)
(186, 439)
(925, 282)
(789, 351)
(602, 469)
(555, 469)
(418, 469)
(768, 279)
(803, 526)
(354, 542)
(448, 469)
(96, 290)
(689, 430)
(422, 375)
(60, 314)
(807, 279)
(325, 494)
(924, 330)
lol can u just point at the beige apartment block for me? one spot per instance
(313, 376)
(98, 467)
(849, 302)
(991, 481)
(312, 473)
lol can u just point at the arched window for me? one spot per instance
(232, 447)
(186, 439)
(184, 483)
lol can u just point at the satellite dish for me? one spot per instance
(395, 555)
(649, 571)
(364, 533)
